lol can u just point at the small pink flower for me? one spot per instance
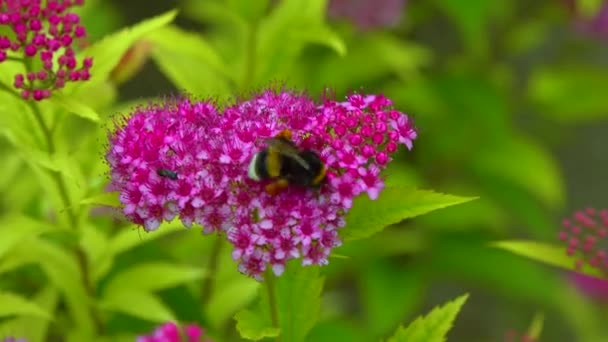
(171, 332)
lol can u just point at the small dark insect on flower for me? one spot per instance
(167, 174)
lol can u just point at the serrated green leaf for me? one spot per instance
(394, 205)
(73, 106)
(108, 52)
(105, 198)
(139, 304)
(298, 297)
(189, 61)
(432, 327)
(14, 305)
(14, 229)
(152, 277)
(554, 255)
(252, 326)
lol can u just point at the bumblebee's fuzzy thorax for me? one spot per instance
(284, 163)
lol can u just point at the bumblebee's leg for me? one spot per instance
(285, 134)
(276, 187)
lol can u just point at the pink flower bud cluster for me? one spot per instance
(368, 14)
(585, 235)
(171, 332)
(209, 153)
(43, 33)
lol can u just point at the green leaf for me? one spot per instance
(511, 160)
(139, 304)
(322, 35)
(15, 229)
(298, 293)
(394, 205)
(536, 327)
(12, 304)
(104, 198)
(61, 269)
(189, 61)
(228, 298)
(131, 237)
(152, 277)
(433, 327)
(73, 106)
(253, 326)
(288, 22)
(37, 327)
(589, 8)
(385, 307)
(108, 52)
(231, 291)
(554, 255)
(552, 90)
(299, 300)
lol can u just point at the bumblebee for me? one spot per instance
(285, 164)
(167, 174)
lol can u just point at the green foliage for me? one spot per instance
(12, 304)
(395, 205)
(190, 62)
(432, 327)
(107, 52)
(142, 305)
(562, 92)
(547, 253)
(298, 301)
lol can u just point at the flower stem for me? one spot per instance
(79, 253)
(272, 299)
(214, 259)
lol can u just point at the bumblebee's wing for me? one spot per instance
(285, 148)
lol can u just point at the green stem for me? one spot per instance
(79, 253)
(214, 259)
(250, 54)
(272, 299)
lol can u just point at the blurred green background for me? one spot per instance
(509, 100)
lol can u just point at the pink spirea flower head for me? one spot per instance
(171, 332)
(44, 31)
(13, 339)
(368, 14)
(210, 154)
(585, 235)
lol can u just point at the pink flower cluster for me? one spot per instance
(171, 332)
(209, 154)
(368, 14)
(585, 235)
(46, 33)
(13, 339)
